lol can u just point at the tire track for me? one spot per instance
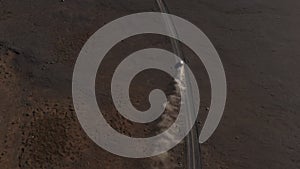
(192, 144)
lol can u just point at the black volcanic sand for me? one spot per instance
(258, 45)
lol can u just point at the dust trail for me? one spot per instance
(192, 147)
(167, 160)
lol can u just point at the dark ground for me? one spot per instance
(258, 42)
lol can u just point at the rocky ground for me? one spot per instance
(258, 45)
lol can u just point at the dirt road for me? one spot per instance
(258, 45)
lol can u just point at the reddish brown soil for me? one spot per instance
(258, 43)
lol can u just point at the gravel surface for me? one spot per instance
(258, 45)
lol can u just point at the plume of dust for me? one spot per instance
(166, 160)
